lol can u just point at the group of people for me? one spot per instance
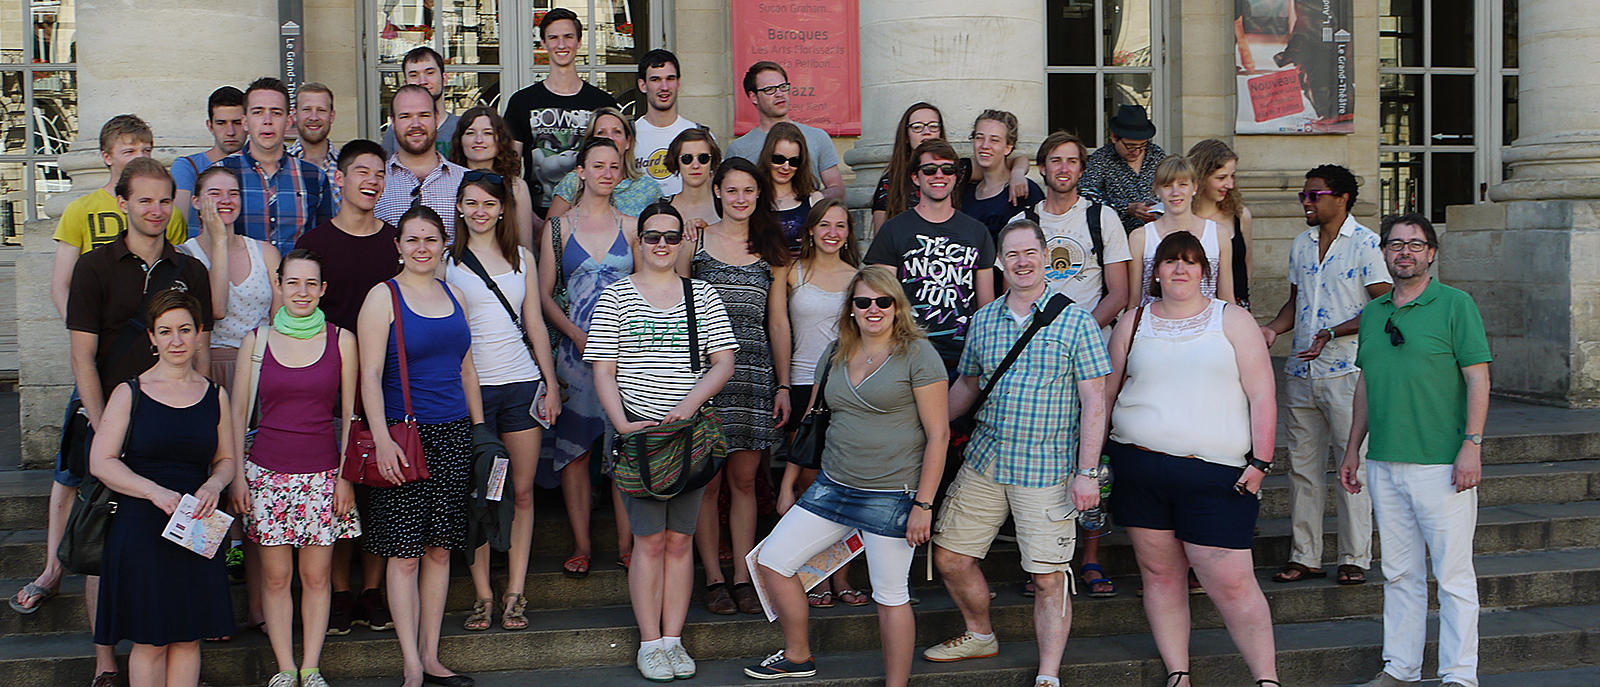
(487, 278)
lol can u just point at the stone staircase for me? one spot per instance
(1538, 562)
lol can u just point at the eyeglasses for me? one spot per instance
(476, 174)
(651, 238)
(774, 89)
(919, 127)
(687, 158)
(1395, 337)
(1131, 146)
(948, 169)
(793, 162)
(883, 302)
(1414, 245)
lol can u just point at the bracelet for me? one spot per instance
(785, 387)
(1259, 464)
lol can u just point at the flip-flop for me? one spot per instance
(1295, 572)
(820, 599)
(861, 598)
(31, 592)
(1102, 579)
(624, 560)
(576, 566)
(1351, 574)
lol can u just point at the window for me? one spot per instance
(38, 106)
(491, 47)
(1447, 81)
(1100, 54)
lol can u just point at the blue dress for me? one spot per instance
(582, 421)
(153, 591)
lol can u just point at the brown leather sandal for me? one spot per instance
(1295, 572)
(515, 617)
(479, 620)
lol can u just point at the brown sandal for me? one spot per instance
(1295, 572)
(479, 620)
(1351, 574)
(514, 617)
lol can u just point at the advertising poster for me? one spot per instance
(816, 42)
(1293, 63)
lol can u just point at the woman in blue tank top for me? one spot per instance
(416, 524)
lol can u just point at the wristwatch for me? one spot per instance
(1476, 439)
(1091, 473)
(924, 505)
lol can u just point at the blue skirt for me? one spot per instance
(883, 513)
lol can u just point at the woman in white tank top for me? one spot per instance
(1176, 185)
(1192, 396)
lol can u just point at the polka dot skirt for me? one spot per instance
(401, 521)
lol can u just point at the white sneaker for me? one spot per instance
(313, 680)
(283, 679)
(655, 666)
(1384, 679)
(682, 665)
(962, 647)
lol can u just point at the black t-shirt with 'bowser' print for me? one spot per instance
(937, 265)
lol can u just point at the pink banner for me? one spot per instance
(816, 41)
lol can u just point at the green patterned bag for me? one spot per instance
(664, 461)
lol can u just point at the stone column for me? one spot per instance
(159, 59)
(1529, 257)
(962, 56)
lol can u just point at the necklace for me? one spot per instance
(870, 356)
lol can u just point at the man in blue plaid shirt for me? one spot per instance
(281, 196)
(1020, 460)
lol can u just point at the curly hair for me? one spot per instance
(1208, 156)
(1340, 181)
(507, 162)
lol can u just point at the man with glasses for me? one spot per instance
(1423, 394)
(1122, 174)
(766, 84)
(417, 172)
(944, 259)
(658, 81)
(549, 118)
(280, 196)
(1335, 270)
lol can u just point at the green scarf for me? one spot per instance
(299, 327)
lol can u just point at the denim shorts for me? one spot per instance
(506, 406)
(883, 513)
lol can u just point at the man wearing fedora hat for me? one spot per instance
(1122, 174)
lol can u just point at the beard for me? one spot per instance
(313, 137)
(404, 142)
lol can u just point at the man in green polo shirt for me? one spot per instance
(1424, 396)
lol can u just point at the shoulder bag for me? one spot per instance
(559, 294)
(964, 425)
(361, 452)
(83, 543)
(669, 459)
(812, 436)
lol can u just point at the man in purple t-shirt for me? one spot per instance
(357, 248)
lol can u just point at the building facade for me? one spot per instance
(1478, 113)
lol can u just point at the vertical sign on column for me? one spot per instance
(290, 49)
(816, 42)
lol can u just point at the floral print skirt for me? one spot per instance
(295, 509)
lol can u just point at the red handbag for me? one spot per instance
(361, 454)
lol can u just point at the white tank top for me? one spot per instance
(249, 302)
(1183, 396)
(1208, 241)
(497, 349)
(814, 323)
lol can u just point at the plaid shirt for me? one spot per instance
(283, 206)
(329, 166)
(1027, 432)
(402, 189)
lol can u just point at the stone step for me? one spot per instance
(1319, 653)
(578, 638)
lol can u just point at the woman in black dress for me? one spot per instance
(155, 593)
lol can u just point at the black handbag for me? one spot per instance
(812, 436)
(83, 543)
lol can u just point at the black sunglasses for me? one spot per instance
(476, 174)
(948, 169)
(686, 158)
(416, 195)
(793, 162)
(1395, 337)
(651, 238)
(883, 302)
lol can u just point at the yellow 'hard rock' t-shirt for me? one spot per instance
(94, 220)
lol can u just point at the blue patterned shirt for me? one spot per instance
(283, 206)
(1330, 292)
(1027, 432)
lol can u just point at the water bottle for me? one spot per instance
(1094, 519)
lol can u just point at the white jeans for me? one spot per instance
(802, 534)
(1319, 417)
(1419, 512)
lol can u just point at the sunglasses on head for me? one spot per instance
(793, 162)
(863, 302)
(476, 174)
(689, 158)
(651, 238)
(947, 168)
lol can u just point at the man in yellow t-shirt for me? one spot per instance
(94, 220)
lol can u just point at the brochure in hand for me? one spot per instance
(204, 535)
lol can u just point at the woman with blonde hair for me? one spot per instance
(633, 191)
(881, 466)
(1176, 185)
(1215, 165)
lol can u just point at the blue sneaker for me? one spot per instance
(776, 666)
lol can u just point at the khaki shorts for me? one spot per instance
(976, 506)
